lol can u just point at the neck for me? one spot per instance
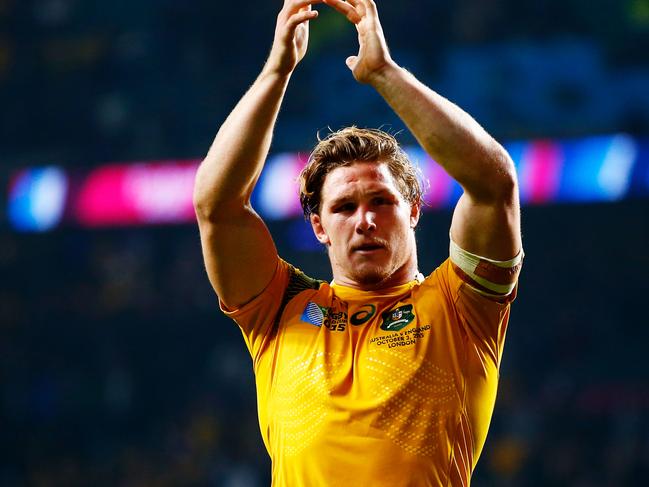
(402, 275)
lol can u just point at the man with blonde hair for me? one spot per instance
(382, 377)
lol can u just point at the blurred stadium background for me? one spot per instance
(116, 367)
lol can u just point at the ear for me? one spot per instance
(415, 213)
(318, 229)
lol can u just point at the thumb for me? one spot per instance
(351, 62)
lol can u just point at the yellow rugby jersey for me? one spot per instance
(377, 388)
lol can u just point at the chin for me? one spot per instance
(369, 275)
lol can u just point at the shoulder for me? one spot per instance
(287, 282)
(297, 283)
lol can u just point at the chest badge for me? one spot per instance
(398, 318)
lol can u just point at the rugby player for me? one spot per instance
(382, 376)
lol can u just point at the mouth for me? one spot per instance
(367, 248)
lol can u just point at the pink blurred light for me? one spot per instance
(440, 187)
(136, 194)
(540, 171)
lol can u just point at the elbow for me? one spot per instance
(498, 182)
(211, 209)
(202, 198)
(506, 182)
(212, 204)
(203, 207)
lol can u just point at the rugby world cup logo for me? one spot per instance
(314, 314)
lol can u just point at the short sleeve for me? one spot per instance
(483, 317)
(257, 317)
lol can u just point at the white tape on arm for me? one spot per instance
(487, 276)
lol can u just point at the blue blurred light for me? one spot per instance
(37, 199)
(597, 168)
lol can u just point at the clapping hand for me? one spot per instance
(373, 55)
(291, 35)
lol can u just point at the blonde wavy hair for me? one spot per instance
(350, 145)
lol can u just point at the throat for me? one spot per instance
(368, 279)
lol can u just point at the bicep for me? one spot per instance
(491, 230)
(240, 256)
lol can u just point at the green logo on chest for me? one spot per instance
(398, 318)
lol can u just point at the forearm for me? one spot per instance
(232, 166)
(450, 135)
(228, 174)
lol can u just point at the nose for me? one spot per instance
(365, 222)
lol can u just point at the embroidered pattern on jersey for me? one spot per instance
(416, 399)
(300, 399)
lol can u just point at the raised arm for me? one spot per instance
(239, 253)
(486, 221)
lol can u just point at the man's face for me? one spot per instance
(367, 227)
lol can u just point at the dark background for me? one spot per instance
(116, 367)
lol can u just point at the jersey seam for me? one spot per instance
(458, 425)
(463, 393)
(268, 335)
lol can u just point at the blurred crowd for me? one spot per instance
(117, 368)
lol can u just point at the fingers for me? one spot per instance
(354, 10)
(366, 8)
(361, 6)
(292, 6)
(356, 3)
(368, 5)
(345, 8)
(351, 62)
(296, 12)
(298, 18)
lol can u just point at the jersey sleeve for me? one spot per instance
(257, 317)
(482, 291)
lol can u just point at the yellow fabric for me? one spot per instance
(403, 398)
